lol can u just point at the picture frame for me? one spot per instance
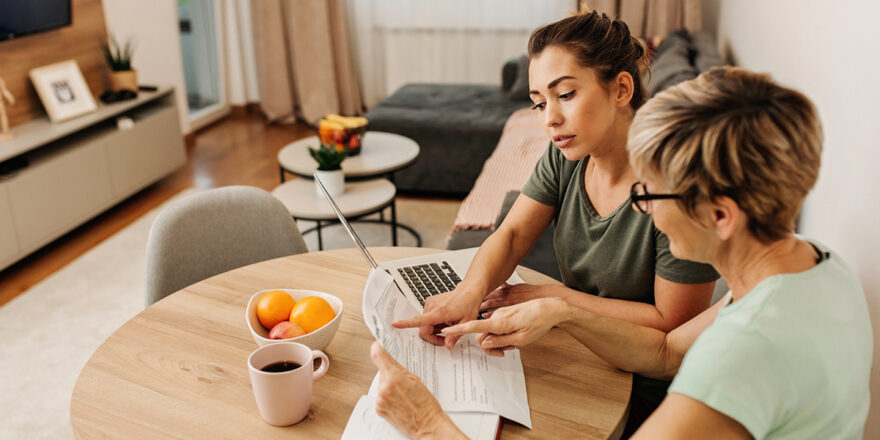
(63, 90)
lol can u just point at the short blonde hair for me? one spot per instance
(735, 133)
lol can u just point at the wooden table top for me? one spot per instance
(178, 370)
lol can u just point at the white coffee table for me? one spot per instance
(381, 155)
(359, 200)
(369, 181)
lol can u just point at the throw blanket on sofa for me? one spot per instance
(507, 169)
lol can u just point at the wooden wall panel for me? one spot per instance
(80, 41)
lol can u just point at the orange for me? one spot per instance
(312, 313)
(274, 307)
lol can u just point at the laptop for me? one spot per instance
(418, 277)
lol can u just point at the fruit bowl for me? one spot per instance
(342, 133)
(315, 340)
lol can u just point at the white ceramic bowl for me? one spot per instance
(315, 340)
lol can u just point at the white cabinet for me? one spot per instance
(77, 169)
(54, 195)
(140, 156)
(8, 241)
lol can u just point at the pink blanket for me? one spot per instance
(507, 169)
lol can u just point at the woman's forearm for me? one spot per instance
(627, 346)
(642, 314)
(495, 261)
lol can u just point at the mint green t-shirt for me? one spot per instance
(789, 360)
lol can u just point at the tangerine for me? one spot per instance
(274, 307)
(312, 313)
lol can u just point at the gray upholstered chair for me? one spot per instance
(215, 231)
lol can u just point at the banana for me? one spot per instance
(330, 124)
(347, 121)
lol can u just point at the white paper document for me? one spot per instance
(464, 379)
(366, 424)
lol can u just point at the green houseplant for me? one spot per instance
(329, 169)
(122, 76)
(328, 158)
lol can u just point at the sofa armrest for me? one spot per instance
(542, 256)
(468, 238)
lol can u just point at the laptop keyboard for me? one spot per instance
(425, 280)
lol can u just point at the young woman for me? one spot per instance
(585, 83)
(726, 162)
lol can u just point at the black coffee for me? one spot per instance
(280, 367)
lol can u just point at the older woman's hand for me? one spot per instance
(514, 326)
(449, 308)
(511, 294)
(405, 402)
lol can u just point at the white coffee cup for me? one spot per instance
(283, 398)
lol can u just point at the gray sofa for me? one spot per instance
(680, 57)
(456, 126)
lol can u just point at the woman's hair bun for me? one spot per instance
(598, 42)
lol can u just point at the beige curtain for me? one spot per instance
(304, 62)
(651, 18)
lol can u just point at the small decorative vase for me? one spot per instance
(124, 80)
(334, 181)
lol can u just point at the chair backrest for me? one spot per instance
(215, 231)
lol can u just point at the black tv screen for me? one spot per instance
(22, 17)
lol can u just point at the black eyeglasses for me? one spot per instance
(640, 197)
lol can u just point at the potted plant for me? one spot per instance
(122, 76)
(329, 169)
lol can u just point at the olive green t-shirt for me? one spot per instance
(615, 256)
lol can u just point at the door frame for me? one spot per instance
(209, 115)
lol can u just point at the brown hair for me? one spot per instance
(600, 43)
(734, 133)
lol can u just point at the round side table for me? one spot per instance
(381, 155)
(359, 200)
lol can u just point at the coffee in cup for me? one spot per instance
(281, 377)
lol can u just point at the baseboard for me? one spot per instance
(189, 140)
(251, 108)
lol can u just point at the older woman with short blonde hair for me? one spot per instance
(725, 162)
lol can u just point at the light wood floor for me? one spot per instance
(240, 150)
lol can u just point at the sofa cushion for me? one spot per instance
(508, 74)
(672, 63)
(519, 90)
(706, 54)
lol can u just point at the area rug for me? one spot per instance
(48, 333)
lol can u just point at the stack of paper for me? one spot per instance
(472, 387)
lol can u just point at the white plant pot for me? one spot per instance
(334, 181)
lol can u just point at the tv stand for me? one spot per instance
(58, 176)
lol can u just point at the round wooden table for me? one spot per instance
(178, 370)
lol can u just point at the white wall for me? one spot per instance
(153, 25)
(828, 50)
